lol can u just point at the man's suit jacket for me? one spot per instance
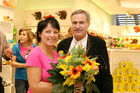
(96, 47)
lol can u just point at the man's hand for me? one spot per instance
(7, 51)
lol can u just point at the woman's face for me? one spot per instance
(49, 36)
(23, 37)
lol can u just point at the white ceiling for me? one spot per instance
(117, 6)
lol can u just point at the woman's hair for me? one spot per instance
(44, 23)
(29, 34)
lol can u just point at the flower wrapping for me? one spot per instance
(74, 68)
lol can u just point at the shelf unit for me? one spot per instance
(7, 27)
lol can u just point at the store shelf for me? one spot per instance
(129, 36)
(6, 7)
(29, 26)
(6, 22)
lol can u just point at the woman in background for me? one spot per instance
(39, 59)
(21, 51)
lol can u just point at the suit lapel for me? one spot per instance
(67, 45)
(90, 44)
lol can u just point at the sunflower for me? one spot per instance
(75, 73)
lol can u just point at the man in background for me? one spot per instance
(94, 47)
(5, 52)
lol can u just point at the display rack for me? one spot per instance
(123, 55)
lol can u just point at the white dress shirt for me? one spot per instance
(76, 43)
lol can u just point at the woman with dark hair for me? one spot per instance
(39, 59)
(21, 51)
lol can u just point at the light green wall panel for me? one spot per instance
(48, 4)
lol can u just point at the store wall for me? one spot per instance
(48, 4)
(23, 5)
(100, 20)
(99, 17)
(19, 14)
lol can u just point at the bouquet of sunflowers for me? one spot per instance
(73, 69)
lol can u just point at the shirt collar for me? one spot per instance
(81, 39)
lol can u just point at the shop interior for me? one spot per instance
(115, 21)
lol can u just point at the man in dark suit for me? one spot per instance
(94, 47)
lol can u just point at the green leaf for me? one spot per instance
(52, 72)
(53, 80)
(80, 51)
(69, 91)
(95, 88)
(58, 78)
(91, 88)
(54, 65)
(61, 61)
(93, 59)
(91, 71)
(57, 88)
(74, 51)
(70, 63)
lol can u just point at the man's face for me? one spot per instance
(79, 25)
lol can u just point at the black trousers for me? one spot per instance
(21, 86)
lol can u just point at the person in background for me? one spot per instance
(5, 52)
(70, 33)
(94, 47)
(21, 51)
(39, 59)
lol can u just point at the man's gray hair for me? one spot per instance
(82, 11)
